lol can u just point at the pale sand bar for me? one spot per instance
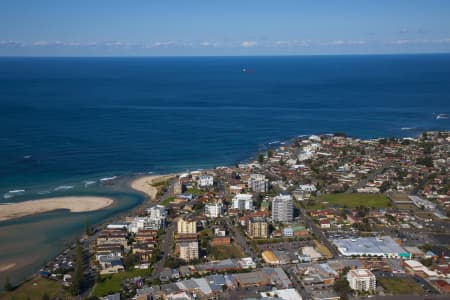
(145, 184)
(73, 203)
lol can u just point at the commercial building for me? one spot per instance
(258, 183)
(257, 227)
(186, 226)
(243, 202)
(361, 280)
(282, 209)
(188, 250)
(383, 246)
(213, 210)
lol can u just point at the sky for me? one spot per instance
(227, 27)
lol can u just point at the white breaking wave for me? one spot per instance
(63, 188)
(13, 193)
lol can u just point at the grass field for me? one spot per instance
(323, 250)
(35, 289)
(111, 283)
(400, 286)
(168, 200)
(350, 201)
(228, 251)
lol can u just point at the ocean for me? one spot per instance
(67, 122)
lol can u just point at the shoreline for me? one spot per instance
(145, 184)
(74, 204)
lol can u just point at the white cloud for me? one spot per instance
(418, 42)
(249, 44)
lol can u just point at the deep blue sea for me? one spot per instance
(68, 120)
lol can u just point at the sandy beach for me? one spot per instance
(74, 204)
(145, 184)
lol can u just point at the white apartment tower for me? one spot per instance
(258, 183)
(243, 202)
(282, 209)
(361, 280)
(188, 250)
(213, 210)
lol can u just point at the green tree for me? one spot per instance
(77, 278)
(260, 158)
(45, 297)
(8, 286)
(88, 227)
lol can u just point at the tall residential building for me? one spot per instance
(257, 228)
(186, 226)
(258, 183)
(188, 250)
(361, 280)
(243, 202)
(282, 209)
(205, 181)
(213, 210)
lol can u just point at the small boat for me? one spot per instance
(441, 116)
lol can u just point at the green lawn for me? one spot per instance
(350, 201)
(111, 283)
(195, 191)
(400, 286)
(227, 251)
(34, 289)
(168, 200)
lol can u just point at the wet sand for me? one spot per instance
(145, 184)
(74, 204)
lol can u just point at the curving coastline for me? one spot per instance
(73, 203)
(145, 184)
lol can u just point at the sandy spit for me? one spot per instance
(145, 184)
(73, 203)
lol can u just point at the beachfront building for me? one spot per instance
(282, 209)
(188, 250)
(361, 280)
(257, 227)
(243, 202)
(258, 183)
(213, 210)
(205, 181)
(186, 226)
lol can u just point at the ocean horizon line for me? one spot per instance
(231, 55)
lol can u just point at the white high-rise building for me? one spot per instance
(188, 250)
(258, 183)
(205, 181)
(361, 280)
(282, 209)
(243, 202)
(213, 210)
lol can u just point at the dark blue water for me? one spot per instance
(79, 117)
(67, 120)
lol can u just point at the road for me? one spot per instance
(297, 284)
(240, 239)
(370, 177)
(317, 231)
(166, 248)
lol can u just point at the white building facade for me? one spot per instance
(205, 181)
(361, 280)
(258, 183)
(282, 209)
(243, 202)
(189, 250)
(213, 210)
